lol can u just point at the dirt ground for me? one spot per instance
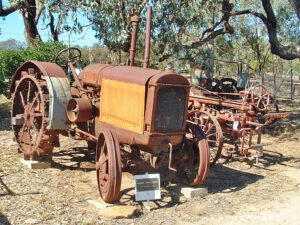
(266, 193)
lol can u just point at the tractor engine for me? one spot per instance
(144, 107)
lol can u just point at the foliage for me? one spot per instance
(10, 60)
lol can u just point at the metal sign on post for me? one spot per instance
(147, 187)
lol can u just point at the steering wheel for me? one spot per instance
(67, 55)
(228, 85)
(260, 97)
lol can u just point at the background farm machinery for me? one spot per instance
(128, 114)
(231, 116)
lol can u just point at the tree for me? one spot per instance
(11, 44)
(54, 15)
(30, 10)
(184, 27)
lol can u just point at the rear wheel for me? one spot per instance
(30, 116)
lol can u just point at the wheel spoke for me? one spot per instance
(34, 99)
(22, 99)
(30, 137)
(104, 160)
(209, 129)
(39, 114)
(22, 131)
(258, 102)
(28, 92)
(212, 134)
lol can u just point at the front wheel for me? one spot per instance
(192, 159)
(108, 166)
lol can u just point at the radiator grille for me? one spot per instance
(169, 113)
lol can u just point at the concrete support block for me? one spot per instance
(36, 164)
(190, 192)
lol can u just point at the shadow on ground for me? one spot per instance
(76, 158)
(225, 179)
(4, 220)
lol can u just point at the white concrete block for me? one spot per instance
(36, 164)
(190, 192)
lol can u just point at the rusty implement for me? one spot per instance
(231, 120)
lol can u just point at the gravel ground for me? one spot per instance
(267, 193)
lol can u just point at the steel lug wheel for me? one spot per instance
(108, 166)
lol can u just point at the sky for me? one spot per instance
(12, 27)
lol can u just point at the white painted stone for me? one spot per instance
(190, 192)
(36, 164)
(99, 204)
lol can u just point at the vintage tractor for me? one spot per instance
(125, 111)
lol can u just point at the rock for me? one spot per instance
(31, 221)
(36, 164)
(118, 212)
(190, 192)
(99, 204)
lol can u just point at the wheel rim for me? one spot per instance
(28, 105)
(29, 116)
(213, 132)
(108, 166)
(260, 97)
(193, 161)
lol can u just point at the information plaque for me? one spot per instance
(147, 187)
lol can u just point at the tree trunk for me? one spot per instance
(29, 16)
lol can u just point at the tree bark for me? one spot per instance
(29, 15)
(285, 52)
(31, 11)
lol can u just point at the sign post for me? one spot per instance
(147, 187)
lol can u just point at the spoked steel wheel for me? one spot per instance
(193, 157)
(29, 118)
(108, 166)
(260, 97)
(212, 130)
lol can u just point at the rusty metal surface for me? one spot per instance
(108, 166)
(30, 117)
(123, 104)
(192, 160)
(92, 74)
(237, 114)
(46, 68)
(153, 143)
(148, 34)
(135, 21)
(212, 130)
(79, 110)
(133, 75)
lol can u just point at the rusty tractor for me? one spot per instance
(231, 120)
(127, 114)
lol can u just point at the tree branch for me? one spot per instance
(285, 52)
(14, 6)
